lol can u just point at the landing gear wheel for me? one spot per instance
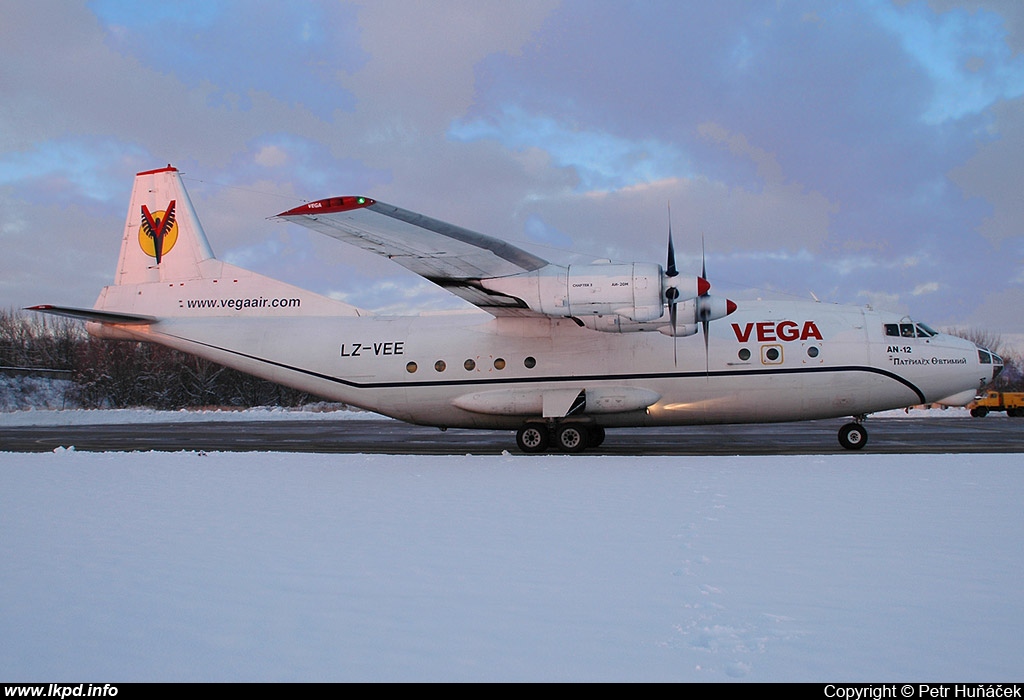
(571, 438)
(853, 436)
(533, 439)
(595, 436)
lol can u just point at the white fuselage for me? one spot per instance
(767, 362)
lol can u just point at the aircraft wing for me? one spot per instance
(449, 256)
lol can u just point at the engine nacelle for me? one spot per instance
(618, 324)
(632, 291)
(690, 313)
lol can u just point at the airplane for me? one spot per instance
(556, 353)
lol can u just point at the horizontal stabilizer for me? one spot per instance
(93, 315)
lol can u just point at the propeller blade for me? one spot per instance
(673, 314)
(707, 352)
(670, 268)
(703, 260)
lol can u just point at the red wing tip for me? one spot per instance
(331, 205)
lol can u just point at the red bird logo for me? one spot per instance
(159, 230)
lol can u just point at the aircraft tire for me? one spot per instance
(571, 438)
(533, 438)
(595, 436)
(853, 436)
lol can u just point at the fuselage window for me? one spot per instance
(411, 368)
(530, 362)
(771, 354)
(812, 351)
(499, 363)
(470, 365)
(744, 354)
(440, 366)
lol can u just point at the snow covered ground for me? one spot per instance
(83, 416)
(274, 566)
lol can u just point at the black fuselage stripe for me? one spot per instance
(570, 377)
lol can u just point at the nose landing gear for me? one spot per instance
(853, 436)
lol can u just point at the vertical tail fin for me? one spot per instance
(163, 239)
(167, 268)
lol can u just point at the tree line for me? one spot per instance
(124, 374)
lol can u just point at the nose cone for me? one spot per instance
(974, 375)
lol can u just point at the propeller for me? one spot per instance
(672, 292)
(706, 308)
(709, 308)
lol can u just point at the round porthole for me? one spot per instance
(470, 365)
(499, 363)
(772, 354)
(744, 354)
(812, 351)
(530, 362)
(411, 368)
(440, 366)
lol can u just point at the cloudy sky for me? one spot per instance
(866, 152)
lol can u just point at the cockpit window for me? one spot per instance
(984, 357)
(909, 330)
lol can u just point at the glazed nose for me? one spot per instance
(987, 357)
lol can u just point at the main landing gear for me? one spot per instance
(853, 436)
(573, 437)
(534, 438)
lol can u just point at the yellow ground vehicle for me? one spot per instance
(1009, 401)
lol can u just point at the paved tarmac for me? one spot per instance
(911, 435)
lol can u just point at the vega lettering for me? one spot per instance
(772, 331)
